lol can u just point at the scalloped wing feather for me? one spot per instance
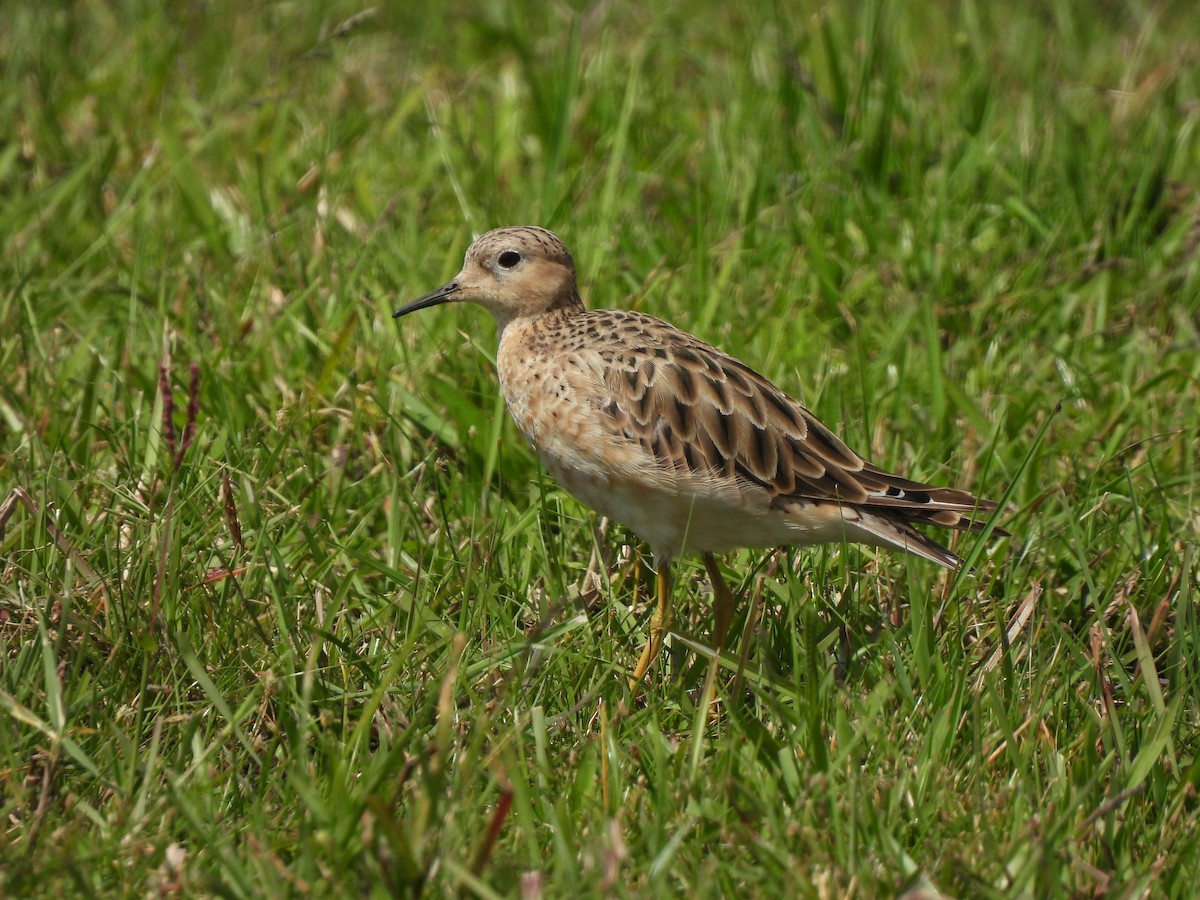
(698, 411)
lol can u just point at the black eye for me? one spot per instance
(508, 259)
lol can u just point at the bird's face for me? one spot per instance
(513, 273)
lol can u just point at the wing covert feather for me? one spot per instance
(699, 411)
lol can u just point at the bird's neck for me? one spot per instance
(565, 307)
(567, 304)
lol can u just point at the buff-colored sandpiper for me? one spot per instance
(689, 447)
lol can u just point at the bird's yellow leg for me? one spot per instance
(660, 621)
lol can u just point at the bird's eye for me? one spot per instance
(508, 259)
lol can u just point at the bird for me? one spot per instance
(687, 446)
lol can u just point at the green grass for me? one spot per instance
(346, 638)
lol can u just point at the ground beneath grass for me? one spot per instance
(286, 605)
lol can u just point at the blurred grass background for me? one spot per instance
(286, 606)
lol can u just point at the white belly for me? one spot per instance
(675, 522)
